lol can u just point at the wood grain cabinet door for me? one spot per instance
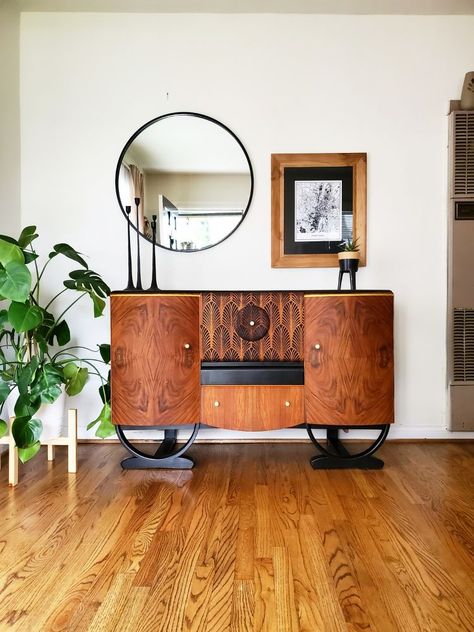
(155, 360)
(349, 359)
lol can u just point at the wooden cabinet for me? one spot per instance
(155, 359)
(160, 340)
(348, 360)
(252, 407)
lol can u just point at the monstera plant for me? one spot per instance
(36, 363)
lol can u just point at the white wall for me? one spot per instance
(9, 118)
(283, 83)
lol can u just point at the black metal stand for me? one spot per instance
(336, 457)
(352, 277)
(165, 458)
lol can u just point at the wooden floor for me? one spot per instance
(251, 539)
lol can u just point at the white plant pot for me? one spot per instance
(53, 416)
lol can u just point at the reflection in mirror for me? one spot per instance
(190, 171)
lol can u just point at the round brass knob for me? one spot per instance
(287, 403)
(317, 346)
(187, 346)
(252, 323)
(216, 404)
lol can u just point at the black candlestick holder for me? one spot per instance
(130, 285)
(154, 286)
(139, 270)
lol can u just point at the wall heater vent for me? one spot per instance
(463, 345)
(463, 154)
(460, 330)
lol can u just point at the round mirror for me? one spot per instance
(192, 173)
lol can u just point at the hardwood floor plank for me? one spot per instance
(251, 540)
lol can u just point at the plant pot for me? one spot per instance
(348, 260)
(52, 416)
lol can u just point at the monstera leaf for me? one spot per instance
(28, 235)
(105, 428)
(68, 251)
(24, 316)
(15, 282)
(47, 384)
(10, 252)
(76, 378)
(26, 431)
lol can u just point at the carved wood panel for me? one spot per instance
(253, 407)
(155, 359)
(223, 315)
(349, 359)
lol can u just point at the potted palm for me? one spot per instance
(349, 255)
(37, 364)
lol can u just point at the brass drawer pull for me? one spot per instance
(187, 346)
(287, 403)
(217, 404)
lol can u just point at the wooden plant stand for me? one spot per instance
(70, 441)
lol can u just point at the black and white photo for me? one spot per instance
(318, 210)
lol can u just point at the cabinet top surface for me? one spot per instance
(305, 292)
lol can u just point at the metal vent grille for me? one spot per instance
(464, 153)
(463, 345)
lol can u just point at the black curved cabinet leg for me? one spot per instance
(339, 458)
(170, 463)
(166, 457)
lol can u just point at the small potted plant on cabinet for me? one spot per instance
(37, 366)
(348, 260)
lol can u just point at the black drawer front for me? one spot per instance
(252, 373)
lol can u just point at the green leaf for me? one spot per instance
(99, 304)
(26, 375)
(62, 333)
(105, 427)
(45, 329)
(9, 239)
(69, 252)
(104, 392)
(3, 317)
(75, 378)
(10, 252)
(24, 317)
(86, 281)
(26, 431)
(15, 282)
(104, 351)
(47, 384)
(26, 405)
(29, 256)
(28, 234)
(3, 428)
(25, 454)
(4, 391)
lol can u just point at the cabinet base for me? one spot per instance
(322, 462)
(170, 463)
(166, 457)
(336, 457)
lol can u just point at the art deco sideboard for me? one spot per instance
(256, 360)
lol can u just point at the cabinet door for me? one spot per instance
(349, 359)
(155, 360)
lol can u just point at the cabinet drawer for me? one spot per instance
(252, 407)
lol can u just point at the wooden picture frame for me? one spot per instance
(289, 171)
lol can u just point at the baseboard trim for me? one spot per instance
(292, 441)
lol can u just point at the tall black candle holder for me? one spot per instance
(154, 286)
(139, 270)
(130, 285)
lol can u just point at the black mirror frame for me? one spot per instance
(206, 118)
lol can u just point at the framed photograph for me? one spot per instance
(318, 200)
